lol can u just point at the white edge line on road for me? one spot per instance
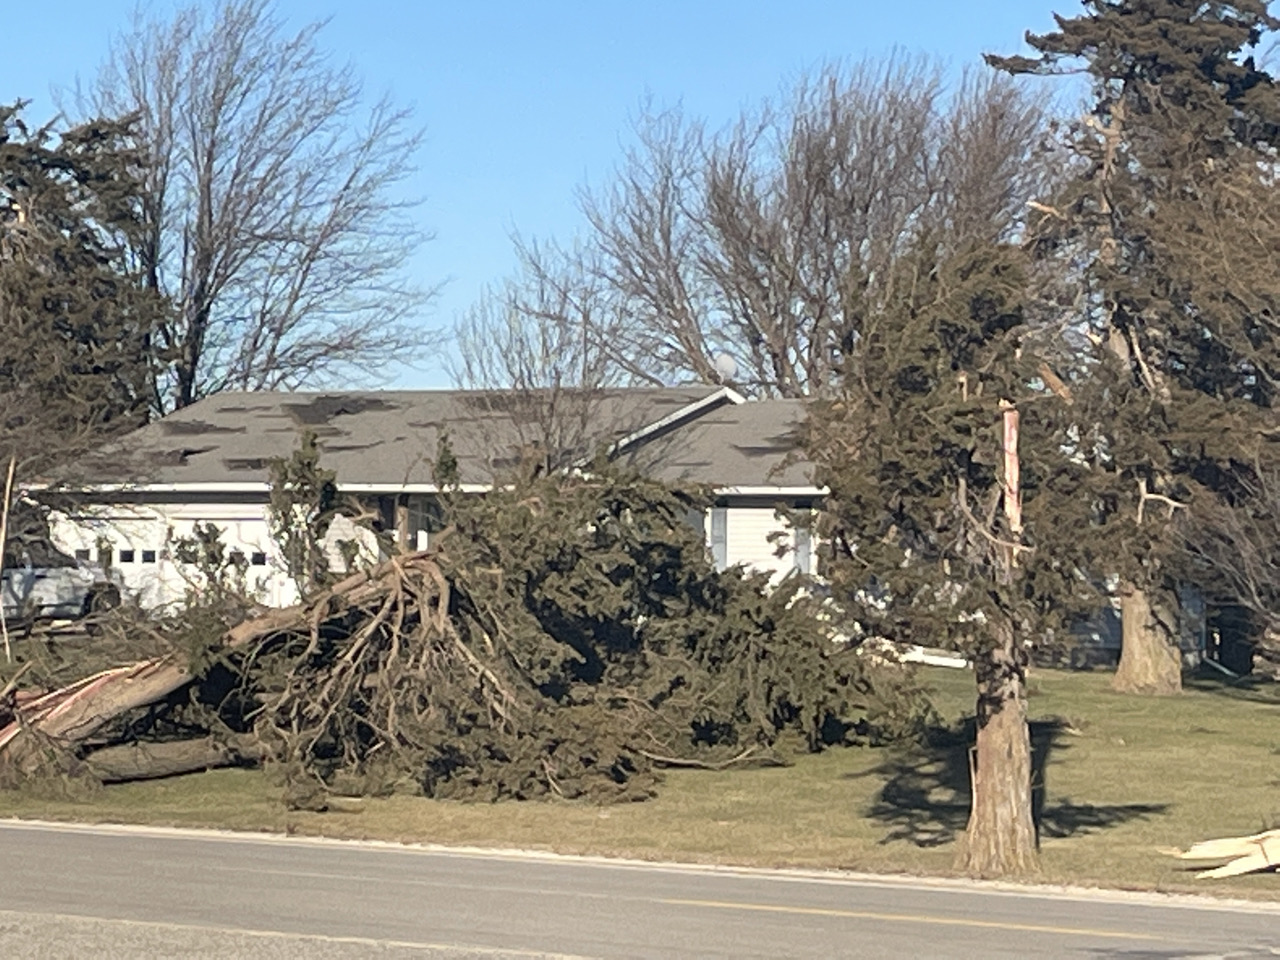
(784, 874)
(418, 945)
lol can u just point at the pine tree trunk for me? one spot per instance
(1001, 836)
(147, 761)
(1150, 662)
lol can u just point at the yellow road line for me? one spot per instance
(913, 918)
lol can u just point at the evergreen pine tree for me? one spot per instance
(948, 460)
(75, 322)
(1171, 224)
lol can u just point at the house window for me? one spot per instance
(258, 558)
(126, 556)
(82, 555)
(148, 556)
(803, 539)
(720, 537)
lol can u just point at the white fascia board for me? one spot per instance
(248, 487)
(411, 487)
(687, 412)
(769, 491)
(385, 488)
(207, 487)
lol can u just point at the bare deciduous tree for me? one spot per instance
(275, 222)
(540, 343)
(1238, 545)
(546, 328)
(770, 241)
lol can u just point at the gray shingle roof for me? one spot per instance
(375, 438)
(747, 445)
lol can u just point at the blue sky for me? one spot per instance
(523, 102)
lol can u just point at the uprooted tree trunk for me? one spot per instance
(45, 727)
(1150, 661)
(49, 727)
(1000, 839)
(146, 761)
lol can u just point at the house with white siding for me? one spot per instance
(209, 463)
(748, 453)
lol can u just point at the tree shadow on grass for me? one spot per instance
(925, 799)
(1253, 689)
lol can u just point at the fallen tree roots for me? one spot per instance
(569, 641)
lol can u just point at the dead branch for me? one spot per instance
(749, 753)
(1055, 383)
(1047, 209)
(1144, 494)
(1243, 854)
(962, 499)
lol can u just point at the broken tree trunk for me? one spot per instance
(74, 713)
(1001, 836)
(1150, 662)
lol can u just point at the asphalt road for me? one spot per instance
(108, 893)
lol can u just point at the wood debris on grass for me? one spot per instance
(1252, 854)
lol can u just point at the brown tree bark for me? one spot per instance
(1150, 662)
(1001, 837)
(146, 761)
(66, 717)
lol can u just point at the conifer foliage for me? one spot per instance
(945, 458)
(1172, 230)
(75, 321)
(565, 636)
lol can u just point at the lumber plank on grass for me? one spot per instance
(1250, 854)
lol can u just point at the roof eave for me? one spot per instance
(688, 412)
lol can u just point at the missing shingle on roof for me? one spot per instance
(195, 428)
(522, 404)
(177, 456)
(246, 463)
(764, 451)
(324, 408)
(228, 406)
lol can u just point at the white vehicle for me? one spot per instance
(42, 583)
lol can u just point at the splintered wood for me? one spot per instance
(1243, 854)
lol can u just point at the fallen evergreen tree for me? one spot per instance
(565, 636)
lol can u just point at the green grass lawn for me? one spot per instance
(1119, 777)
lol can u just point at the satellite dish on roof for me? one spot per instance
(726, 366)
